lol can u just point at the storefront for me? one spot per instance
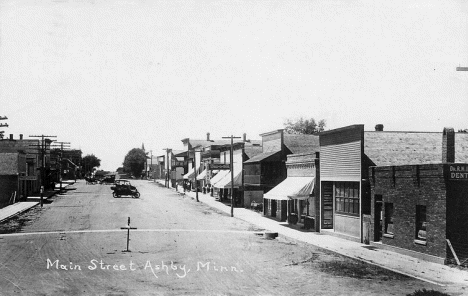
(223, 186)
(294, 199)
(341, 161)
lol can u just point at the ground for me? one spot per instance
(74, 245)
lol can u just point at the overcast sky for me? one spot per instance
(108, 76)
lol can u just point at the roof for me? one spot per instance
(302, 143)
(263, 156)
(386, 148)
(179, 152)
(252, 151)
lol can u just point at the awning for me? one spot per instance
(219, 176)
(226, 181)
(292, 188)
(202, 175)
(190, 174)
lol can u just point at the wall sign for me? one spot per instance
(458, 172)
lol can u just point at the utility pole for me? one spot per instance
(195, 170)
(166, 181)
(151, 164)
(232, 171)
(60, 162)
(43, 146)
(3, 125)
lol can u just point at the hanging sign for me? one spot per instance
(219, 166)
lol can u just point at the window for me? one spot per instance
(421, 223)
(347, 197)
(388, 218)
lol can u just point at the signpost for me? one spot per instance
(128, 233)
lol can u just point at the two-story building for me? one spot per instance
(266, 170)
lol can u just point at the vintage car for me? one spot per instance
(124, 187)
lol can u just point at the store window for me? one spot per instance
(421, 223)
(388, 218)
(347, 197)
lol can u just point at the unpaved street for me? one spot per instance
(75, 246)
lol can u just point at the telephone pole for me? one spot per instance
(151, 165)
(166, 181)
(195, 170)
(43, 147)
(232, 171)
(60, 161)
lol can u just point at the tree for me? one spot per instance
(90, 162)
(135, 161)
(304, 126)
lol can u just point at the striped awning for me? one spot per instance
(218, 177)
(292, 188)
(190, 174)
(226, 181)
(202, 175)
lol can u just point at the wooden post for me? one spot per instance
(128, 233)
(232, 172)
(453, 252)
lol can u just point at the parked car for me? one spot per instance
(124, 187)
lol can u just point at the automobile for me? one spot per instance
(124, 187)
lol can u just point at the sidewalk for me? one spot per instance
(33, 200)
(427, 271)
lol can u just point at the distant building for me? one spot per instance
(28, 173)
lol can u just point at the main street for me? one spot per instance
(74, 245)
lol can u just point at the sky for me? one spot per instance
(110, 75)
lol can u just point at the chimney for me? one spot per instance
(448, 145)
(244, 138)
(21, 136)
(208, 136)
(379, 128)
(11, 136)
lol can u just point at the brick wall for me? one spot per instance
(406, 187)
(8, 185)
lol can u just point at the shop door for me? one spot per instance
(327, 205)
(273, 207)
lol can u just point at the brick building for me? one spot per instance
(20, 167)
(347, 153)
(416, 208)
(13, 166)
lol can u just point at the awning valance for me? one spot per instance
(190, 174)
(292, 188)
(202, 175)
(218, 177)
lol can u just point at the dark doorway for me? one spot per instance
(274, 207)
(378, 214)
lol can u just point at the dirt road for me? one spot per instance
(75, 246)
